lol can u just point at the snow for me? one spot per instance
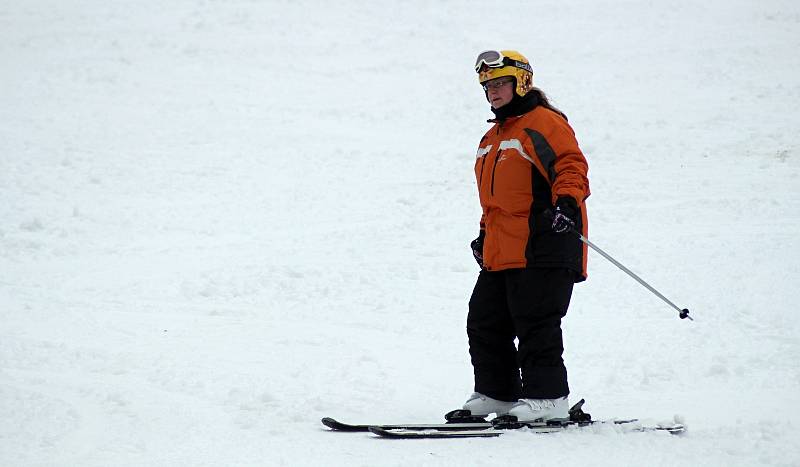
(225, 220)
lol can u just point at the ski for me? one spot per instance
(336, 425)
(456, 420)
(429, 434)
(626, 425)
(462, 424)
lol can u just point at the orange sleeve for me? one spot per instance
(571, 168)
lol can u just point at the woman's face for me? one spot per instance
(500, 91)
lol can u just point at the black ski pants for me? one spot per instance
(526, 304)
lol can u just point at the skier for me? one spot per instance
(532, 183)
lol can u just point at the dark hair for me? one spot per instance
(545, 102)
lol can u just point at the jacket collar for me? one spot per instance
(515, 108)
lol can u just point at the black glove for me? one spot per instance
(477, 248)
(565, 214)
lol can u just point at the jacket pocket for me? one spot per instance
(547, 248)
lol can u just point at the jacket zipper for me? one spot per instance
(497, 156)
(480, 177)
(494, 168)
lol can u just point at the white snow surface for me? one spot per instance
(224, 220)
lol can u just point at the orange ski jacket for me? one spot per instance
(524, 164)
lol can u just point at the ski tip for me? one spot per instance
(329, 422)
(336, 425)
(675, 429)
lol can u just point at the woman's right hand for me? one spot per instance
(477, 248)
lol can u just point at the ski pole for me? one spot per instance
(683, 313)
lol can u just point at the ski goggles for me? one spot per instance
(494, 59)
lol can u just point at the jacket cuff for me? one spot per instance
(567, 201)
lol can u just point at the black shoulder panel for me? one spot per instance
(544, 152)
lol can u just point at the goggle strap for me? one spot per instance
(518, 64)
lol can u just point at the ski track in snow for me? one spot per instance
(226, 220)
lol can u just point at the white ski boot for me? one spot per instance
(528, 410)
(481, 405)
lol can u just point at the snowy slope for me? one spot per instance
(224, 220)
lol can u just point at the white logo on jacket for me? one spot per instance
(515, 145)
(483, 151)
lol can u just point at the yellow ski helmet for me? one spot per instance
(492, 64)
